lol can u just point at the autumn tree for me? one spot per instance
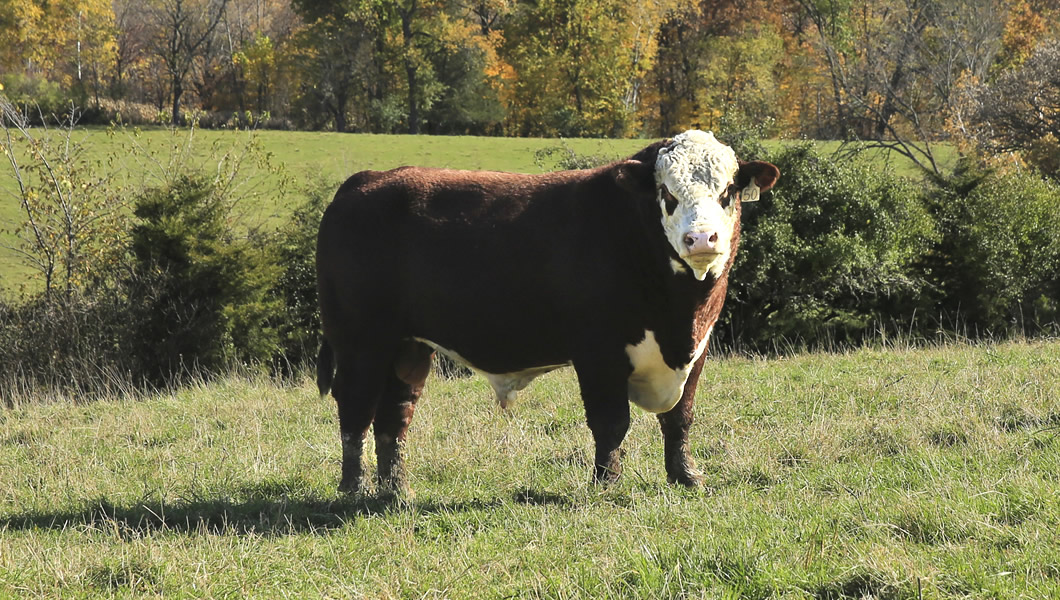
(181, 32)
(333, 57)
(402, 26)
(96, 46)
(436, 55)
(255, 37)
(401, 66)
(65, 43)
(739, 81)
(895, 65)
(676, 76)
(467, 73)
(726, 65)
(33, 35)
(488, 15)
(1020, 111)
(130, 44)
(580, 66)
(1028, 23)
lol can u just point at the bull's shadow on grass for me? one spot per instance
(532, 497)
(251, 512)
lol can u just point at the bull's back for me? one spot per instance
(429, 224)
(474, 262)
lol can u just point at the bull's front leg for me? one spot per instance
(675, 424)
(609, 423)
(606, 397)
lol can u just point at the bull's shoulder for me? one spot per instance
(360, 181)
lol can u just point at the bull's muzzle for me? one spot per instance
(705, 242)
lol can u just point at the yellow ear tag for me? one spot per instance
(750, 193)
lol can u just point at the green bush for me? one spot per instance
(40, 100)
(830, 255)
(997, 265)
(71, 345)
(200, 295)
(296, 286)
(564, 158)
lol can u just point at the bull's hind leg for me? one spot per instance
(403, 388)
(358, 386)
(680, 468)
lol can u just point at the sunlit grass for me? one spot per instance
(890, 473)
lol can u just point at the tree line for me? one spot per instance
(900, 73)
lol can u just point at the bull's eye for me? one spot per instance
(727, 196)
(669, 200)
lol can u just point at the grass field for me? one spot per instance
(896, 473)
(136, 157)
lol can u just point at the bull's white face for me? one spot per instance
(694, 179)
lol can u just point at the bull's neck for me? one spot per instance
(691, 308)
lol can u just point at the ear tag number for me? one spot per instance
(750, 193)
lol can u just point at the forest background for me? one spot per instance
(903, 73)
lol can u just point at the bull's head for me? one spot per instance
(700, 185)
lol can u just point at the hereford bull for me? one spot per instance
(619, 271)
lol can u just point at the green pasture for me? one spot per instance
(892, 474)
(138, 158)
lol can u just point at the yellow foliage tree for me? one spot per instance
(581, 65)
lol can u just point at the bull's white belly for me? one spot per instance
(654, 385)
(505, 385)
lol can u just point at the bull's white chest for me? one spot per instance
(654, 385)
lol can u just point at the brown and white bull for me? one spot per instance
(620, 271)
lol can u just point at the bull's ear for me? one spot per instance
(755, 177)
(635, 176)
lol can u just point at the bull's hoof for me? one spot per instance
(608, 467)
(395, 490)
(401, 496)
(606, 480)
(350, 485)
(690, 478)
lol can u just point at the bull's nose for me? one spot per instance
(700, 242)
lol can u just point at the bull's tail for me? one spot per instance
(325, 368)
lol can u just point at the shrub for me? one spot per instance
(564, 158)
(71, 212)
(187, 287)
(199, 294)
(64, 344)
(832, 253)
(997, 265)
(127, 112)
(39, 100)
(296, 287)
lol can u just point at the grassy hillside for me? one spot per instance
(877, 473)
